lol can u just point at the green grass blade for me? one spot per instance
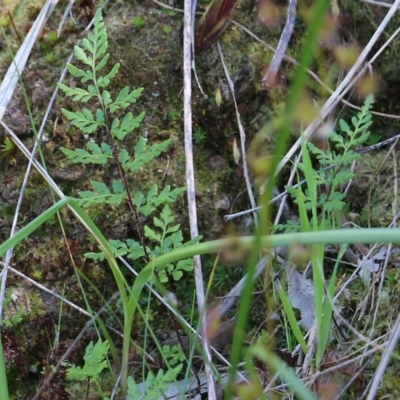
(3, 375)
(287, 307)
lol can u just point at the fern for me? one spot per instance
(94, 362)
(93, 54)
(334, 173)
(154, 385)
(98, 106)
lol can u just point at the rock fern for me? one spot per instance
(334, 171)
(93, 92)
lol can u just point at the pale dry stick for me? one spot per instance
(270, 76)
(394, 338)
(312, 339)
(191, 191)
(65, 15)
(352, 380)
(11, 78)
(311, 73)
(24, 150)
(271, 383)
(382, 278)
(352, 169)
(377, 3)
(378, 145)
(395, 187)
(6, 89)
(342, 89)
(169, 7)
(242, 134)
(45, 289)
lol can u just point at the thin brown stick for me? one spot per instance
(15, 28)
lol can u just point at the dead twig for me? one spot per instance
(191, 193)
(242, 134)
(270, 76)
